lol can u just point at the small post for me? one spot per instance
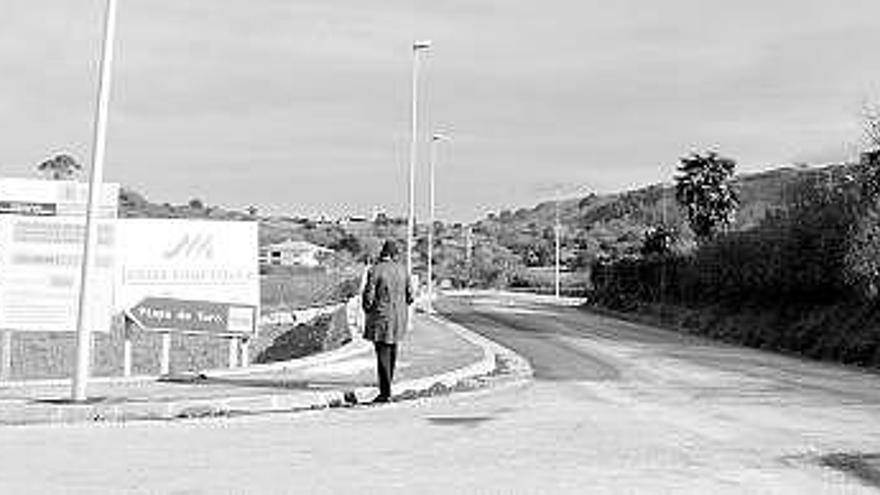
(126, 349)
(233, 351)
(245, 351)
(165, 362)
(6, 356)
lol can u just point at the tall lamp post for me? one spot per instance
(431, 190)
(417, 47)
(83, 332)
(556, 229)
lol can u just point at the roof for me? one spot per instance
(298, 246)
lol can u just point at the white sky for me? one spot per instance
(302, 107)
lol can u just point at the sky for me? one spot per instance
(304, 108)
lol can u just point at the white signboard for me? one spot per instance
(40, 263)
(175, 270)
(63, 198)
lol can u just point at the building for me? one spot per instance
(293, 253)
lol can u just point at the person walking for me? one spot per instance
(386, 298)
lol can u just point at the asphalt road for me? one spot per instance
(614, 408)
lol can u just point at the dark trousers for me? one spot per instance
(386, 358)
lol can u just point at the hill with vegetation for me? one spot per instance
(514, 248)
(613, 226)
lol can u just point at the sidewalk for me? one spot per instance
(436, 351)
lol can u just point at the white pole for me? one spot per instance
(556, 231)
(431, 194)
(245, 352)
(165, 359)
(83, 332)
(430, 281)
(126, 357)
(126, 348)
(233, 352)
(413, 154)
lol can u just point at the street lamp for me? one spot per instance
(556, 229)
(431, 166)
(417, 47)
(90, 244)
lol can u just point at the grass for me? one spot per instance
(297, 288)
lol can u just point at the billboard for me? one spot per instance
(42, 232)
(40, 264)
(188, 275)
(62, 198)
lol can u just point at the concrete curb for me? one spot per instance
(494, 355)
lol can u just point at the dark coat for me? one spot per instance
(386, 297)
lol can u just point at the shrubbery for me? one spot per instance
(804, 280)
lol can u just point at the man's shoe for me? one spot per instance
(381, 399)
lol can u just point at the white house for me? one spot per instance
(292, 253)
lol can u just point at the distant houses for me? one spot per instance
(293, 253)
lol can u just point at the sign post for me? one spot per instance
(236, 322)
(245, 351)
(190, 277)
(126, 347)
(165, 358)
(233, 351)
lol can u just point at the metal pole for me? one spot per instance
(126, 348)
(556, 235)
(165, 358)
(83, 332)
(413, 155)
(430, 280)
(245, 349)
(468, 246)
(431, 191)
(233, 352)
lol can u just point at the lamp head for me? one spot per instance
(421, 45)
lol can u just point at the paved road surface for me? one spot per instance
(615, 408)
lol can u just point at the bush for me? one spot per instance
(804, 280)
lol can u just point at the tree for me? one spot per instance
(60, 167)
(704, 190)
(658, 241)
(871, 125)
(196, 204)
(871, 128)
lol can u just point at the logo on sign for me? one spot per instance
(191, 246)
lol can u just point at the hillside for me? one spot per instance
(613, 225)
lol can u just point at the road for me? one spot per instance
(615, 407)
